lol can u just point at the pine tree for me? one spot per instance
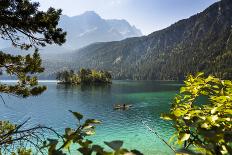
(26, 27)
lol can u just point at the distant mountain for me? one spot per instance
(89, 28)
(86, 29)
(202, 42)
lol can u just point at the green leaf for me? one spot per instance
(115, 145)
(214, 110)
(98, 149)
(199, 74)
(212, 118)
(88, 127)
(178, 112)
(77, 115)
(136, 152)
(85, 150)
(92, 121)
(123, 151)
(205, 125)
(166, 117)
(86, 143)
(205, 110)
(184, 136)
(182, 89)
(90, 132)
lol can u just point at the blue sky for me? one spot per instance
(147, 15)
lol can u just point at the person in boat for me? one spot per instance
(122, 106)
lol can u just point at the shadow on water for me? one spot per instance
(84, 87)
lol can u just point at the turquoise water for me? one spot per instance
(149, 100)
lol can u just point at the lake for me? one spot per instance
(149, 100)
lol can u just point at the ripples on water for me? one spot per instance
(149, 100)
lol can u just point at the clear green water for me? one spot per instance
(149, 100)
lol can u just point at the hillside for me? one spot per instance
(202, 42)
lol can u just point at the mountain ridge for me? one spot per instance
(87, 28)
(199, 43)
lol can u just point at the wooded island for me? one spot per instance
(84, 76)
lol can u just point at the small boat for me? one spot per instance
(122, 106)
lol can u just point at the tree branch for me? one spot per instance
(153, 131)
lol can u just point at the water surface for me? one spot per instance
(149, 100)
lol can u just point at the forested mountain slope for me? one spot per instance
(202, 42)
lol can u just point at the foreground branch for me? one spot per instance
(153, 131)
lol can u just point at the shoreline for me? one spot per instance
(59, 82)
(40, 81)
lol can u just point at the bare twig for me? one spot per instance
(2, 99)
(153, 131)
(33, 136)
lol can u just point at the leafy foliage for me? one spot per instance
(85, 76)
(202, 114)
(21, 18)
(25, 26)
(23, 68)
(18, 141)
(77, 136)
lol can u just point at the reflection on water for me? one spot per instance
(149, 100)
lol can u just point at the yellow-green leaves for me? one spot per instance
(184, 136)
(166, 117)
(76, 138)
(205, 123)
